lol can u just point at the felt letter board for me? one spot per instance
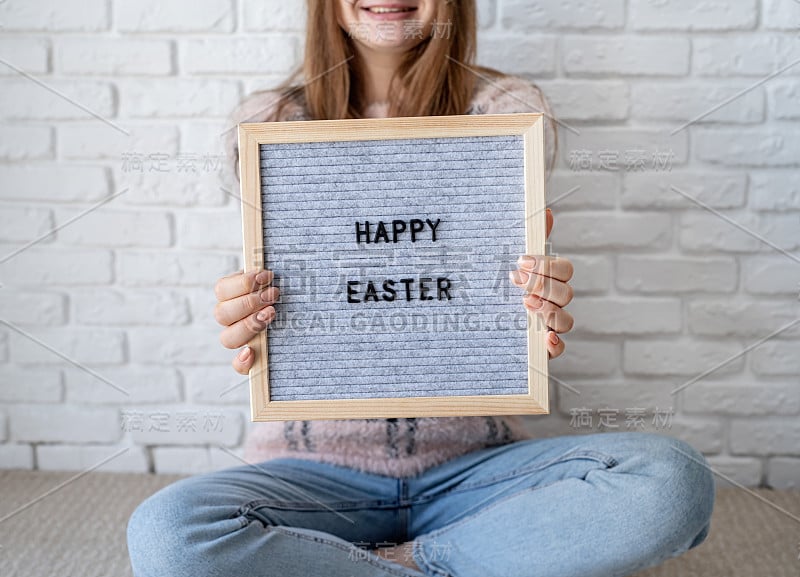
(391, 240)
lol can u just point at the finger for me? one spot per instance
(239, 284)
(554, 349)
(552, 266)
(241, 332)
(545, 287)
(243, 361)
(548, 222)
(554, 317)
(228, 312)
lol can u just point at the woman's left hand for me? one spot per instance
(544, 279)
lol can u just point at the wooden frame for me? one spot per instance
(529, 126)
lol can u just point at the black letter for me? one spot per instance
(396, 228)
(433, 228)
(370, 293)
(423, 290)
(416, 226)
(381, 232)
(359, 232)
(388, 285)
(407, 282)
(352, 283)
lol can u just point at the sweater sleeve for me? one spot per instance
(513, 94)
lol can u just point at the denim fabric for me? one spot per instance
(603, 504)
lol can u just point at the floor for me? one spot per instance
(74, 524)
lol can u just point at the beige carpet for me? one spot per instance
(56, 524)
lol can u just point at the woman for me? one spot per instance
(469, 496)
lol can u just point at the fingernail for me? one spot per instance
(518, 277)
(554, 338)
(264, 314)
(534, 301)
(262, 277)
(244, 353)
(265, 297)
(526, 261)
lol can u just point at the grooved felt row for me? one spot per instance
(368, 309)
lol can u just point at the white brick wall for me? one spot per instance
(671, 106)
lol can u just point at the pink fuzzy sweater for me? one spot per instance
(392, 447)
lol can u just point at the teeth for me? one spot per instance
(380, 10)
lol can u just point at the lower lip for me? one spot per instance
(390, 15)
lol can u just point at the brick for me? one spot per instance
(132, 384)
(115, 228)
(112, 56)
(46, 266)
(22, 99)
(577, 231)
(28, 385)
(487, 10)
(94, 141)
(616, 316)
(21, 223)
(784, 100)
(588, 100)
(671, 101)
(776, 358)
(181, 460)
(587, 358)
(592, 274)
(519, 55)
(204, 138)
(683, 357)
(129, 307)
(527, 16)
(650, 190)
(668, 274)
(83, 457)
(617, 149)
(741, 471)
(216, 385)
(707, 435)
(204, 16)
(25, 142)
(213, 230)
(547, 426)
(63, 424)
(3, 346)
(625, 55)
(166, 346)
(581, 190)
(771, 276)
(3, 427)
(620, 397)
(757, 397)
(58, 183)
(765, 436)
(783, 473)
(33, 307)
(186, 425)
(177, 98)
(64, 16)
(781, 15)
(775, 190)
(28, 54)
(263, 15)
(271, 54)
(16, 456)
(693, 15)
(174, 268)
(201, 303)
(171, 187)
(91, 346)
(744, 55)
(747, 147)
(708, 232)
(743, 318)
(781, 230)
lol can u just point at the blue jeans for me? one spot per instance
(603, 504)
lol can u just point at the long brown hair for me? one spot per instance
(427, 83)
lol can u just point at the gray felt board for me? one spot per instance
(469, 334)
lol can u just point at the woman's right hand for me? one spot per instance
(245, 309)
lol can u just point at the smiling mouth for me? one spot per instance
(388, 10)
